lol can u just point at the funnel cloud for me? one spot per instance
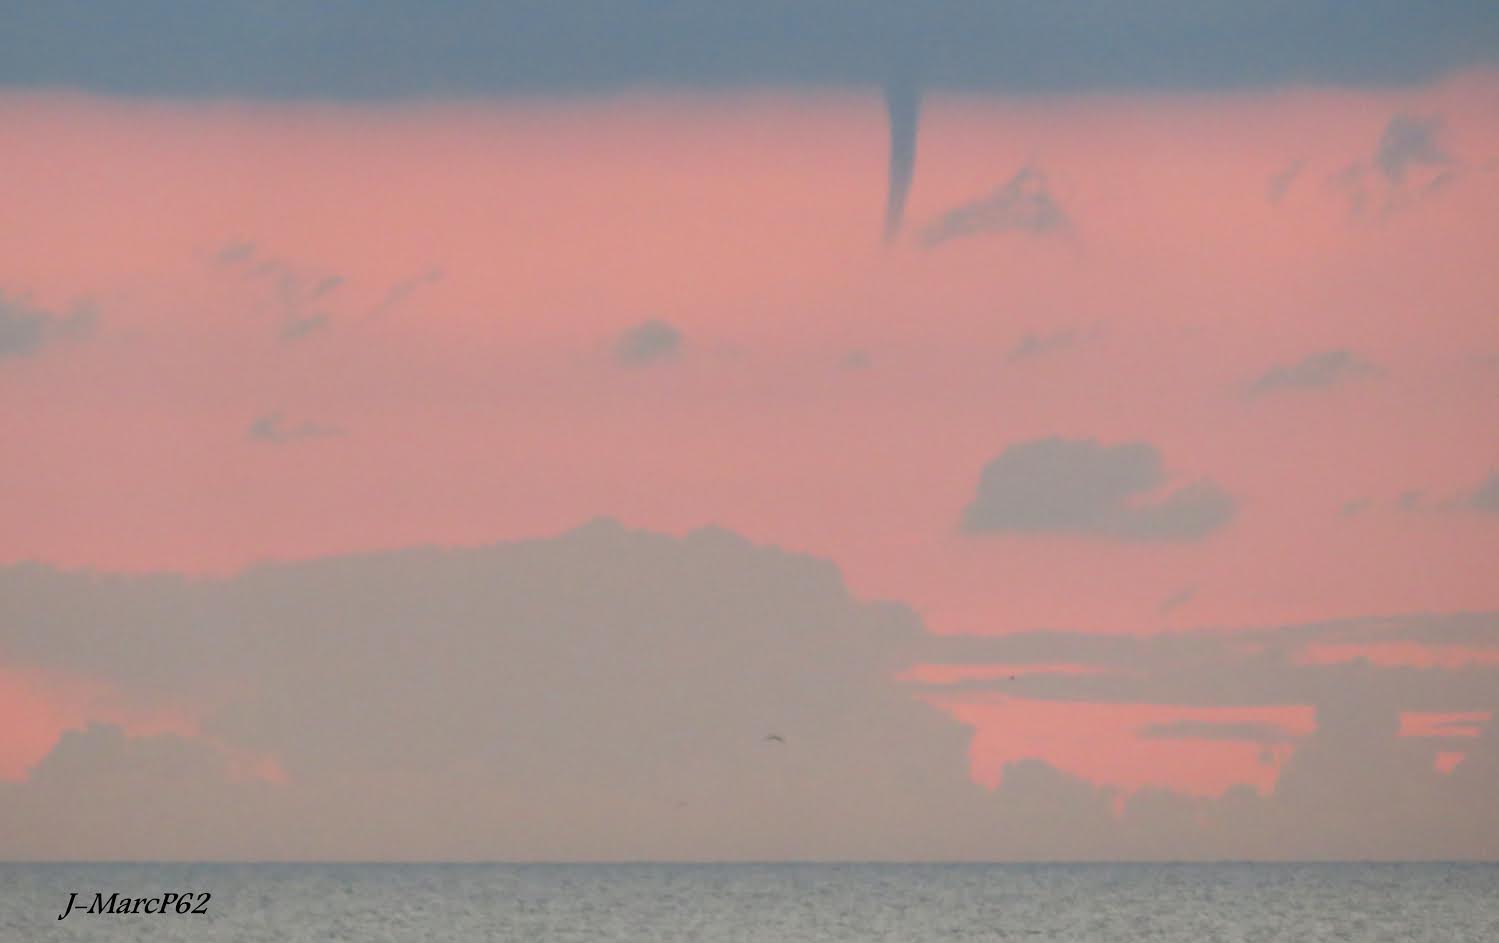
(903, 104)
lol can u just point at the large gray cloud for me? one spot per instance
(1353, 789)
(346, 48)
(1082, 486)
(606, 694)
(602, 694)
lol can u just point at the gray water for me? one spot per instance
(1307, 903)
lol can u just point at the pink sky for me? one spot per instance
(483, 403)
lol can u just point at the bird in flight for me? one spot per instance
(775, 737)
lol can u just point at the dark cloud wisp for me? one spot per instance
(647, 343)
(1318, 371)
(25, 329)
(1023, 204)
(275, 428)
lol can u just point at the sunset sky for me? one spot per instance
(435, 432)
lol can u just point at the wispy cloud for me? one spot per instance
(1033, 345)
(1317, 371)
(404, 289)
(1410, 163)
(1178, 599)
(1023, 204)
(295, 291)
(1281, 180)
(276, 428)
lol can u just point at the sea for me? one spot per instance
(707, 903)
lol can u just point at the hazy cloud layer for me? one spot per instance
(607, 694)
(26, 329)
(343, 48)
(1317, 371)
(1081, 486)
(1024, 204)
(1255, 666)
(1205, 730)
(647, 343)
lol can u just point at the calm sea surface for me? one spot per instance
(770, 902)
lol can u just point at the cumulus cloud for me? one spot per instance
(606, 694)
(1024, 204)
(274, 427)
(1317, 371)
(26, 329)
(1081, 486)
(647, 343)
(152, 780)
(1352, 788)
